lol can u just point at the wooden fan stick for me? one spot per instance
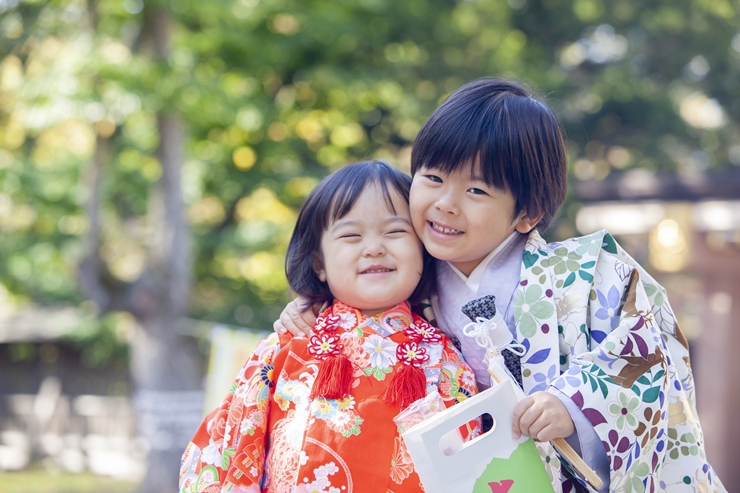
(567, 451)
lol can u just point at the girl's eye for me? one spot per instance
(350, 236)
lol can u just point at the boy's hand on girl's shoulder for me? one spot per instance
(543, 417)
(293, 320)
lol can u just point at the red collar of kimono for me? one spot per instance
(325, 341)
(334, 379)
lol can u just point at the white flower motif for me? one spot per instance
(341, 419)
(247, 424)
(303, 459)
(434, 351)
(212, 453)
(347, 320)
(253, 471)
(382, 351)
(468, 377)
(318, 485)
(325, 470)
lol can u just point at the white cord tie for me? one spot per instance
(493, 335)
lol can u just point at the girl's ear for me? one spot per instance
(525, 223)
(318, 268)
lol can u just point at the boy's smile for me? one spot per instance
(460, 218)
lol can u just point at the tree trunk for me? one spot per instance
(165, 365)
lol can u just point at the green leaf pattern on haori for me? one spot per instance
(530, 307)
(627, 372)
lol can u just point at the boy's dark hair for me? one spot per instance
(515, 139)
(331, 200)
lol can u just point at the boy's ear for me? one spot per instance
(318, 268)
(526, 223)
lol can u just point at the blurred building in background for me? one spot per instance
(56, 409)
(686, 231)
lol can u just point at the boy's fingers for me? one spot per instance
(536, 428)
(529, 419)
(293, 323)
(519, 410)
(306, 321)
(278, 327)
(547, 433)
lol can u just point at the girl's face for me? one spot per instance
(371, 257)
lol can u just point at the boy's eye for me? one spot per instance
(477, 191)
(434, 178)
(397, 232)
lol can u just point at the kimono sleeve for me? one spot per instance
(228, 449)
(627, 383)
(456, 384)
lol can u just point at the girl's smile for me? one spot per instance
(370, 257)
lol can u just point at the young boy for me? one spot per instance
(606, 365)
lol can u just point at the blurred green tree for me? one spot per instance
(130, 130)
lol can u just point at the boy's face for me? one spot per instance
(460, 218)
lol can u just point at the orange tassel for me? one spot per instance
(334, 379)
(409, 384)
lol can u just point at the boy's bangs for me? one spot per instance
(461, 138)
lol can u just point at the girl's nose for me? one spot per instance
(373, 248)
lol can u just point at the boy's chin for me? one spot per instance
(440, 252)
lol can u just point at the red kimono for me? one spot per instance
(269, 435)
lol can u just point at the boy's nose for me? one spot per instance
(446, 203)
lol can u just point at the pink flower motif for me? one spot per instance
(409, 353)
(324, 345)
(326, 324)
(423, 332)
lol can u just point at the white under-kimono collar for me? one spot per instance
(473, 280)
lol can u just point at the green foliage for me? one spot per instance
(276, 93)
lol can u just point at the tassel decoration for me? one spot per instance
(409, 382)
(334, 380)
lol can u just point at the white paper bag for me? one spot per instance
(491, 463)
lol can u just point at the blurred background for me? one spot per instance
(153, 155)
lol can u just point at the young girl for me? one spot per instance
(317, 414)
(606, 365)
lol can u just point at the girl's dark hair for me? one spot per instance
(331, 200)
(515, 140)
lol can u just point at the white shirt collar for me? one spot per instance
(473, 280)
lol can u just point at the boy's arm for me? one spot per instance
(295, 320)
(213, 445)
(627, 375)
(547, 415)
(585, 441)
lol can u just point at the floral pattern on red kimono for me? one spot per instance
(269, 435)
